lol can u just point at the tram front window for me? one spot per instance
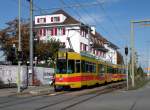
(61, 66)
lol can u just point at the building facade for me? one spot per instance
(75, 35)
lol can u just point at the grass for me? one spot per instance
(139, 83)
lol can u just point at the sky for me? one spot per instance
(110, 17)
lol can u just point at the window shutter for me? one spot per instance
(51, 19)
(44, 20)
(58, 18)
(40, 32)
(38, 20)
(44, 32)
(55, 31)
(63, 31)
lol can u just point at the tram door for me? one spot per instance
(101, 72)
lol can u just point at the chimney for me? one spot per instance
(93, 30)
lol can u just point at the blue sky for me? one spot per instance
(111, 18)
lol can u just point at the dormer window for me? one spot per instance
(55, 19)
(41, 20)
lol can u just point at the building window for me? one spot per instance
(41, 20)
(83, 47)
(52, 33)
(80, 46)
(56, 19)
(97, 52)
(63, 44)
(44, 32)
(61, 31)
(83, 32)
(86, 47)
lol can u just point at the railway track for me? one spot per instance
(83, 96)
(70, 98)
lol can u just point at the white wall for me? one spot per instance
(111, 55)
(48, 18)
(8, 74)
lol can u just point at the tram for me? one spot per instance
(74, 70)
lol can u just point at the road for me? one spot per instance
(80, 100)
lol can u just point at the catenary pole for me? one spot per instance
(132, 52)
(19, 47)
(31, 39)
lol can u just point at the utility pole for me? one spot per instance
(132, 52)
(31, 40)
(145, 23)
(19, 47)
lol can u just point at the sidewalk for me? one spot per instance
(33, 90)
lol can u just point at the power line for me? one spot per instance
(80, 17)
(109, 18)
(73, 6)
(93, 18)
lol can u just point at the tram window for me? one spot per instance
(83, 66)
(71, 65)
(61, 66)
(108, 69)
(101, 69)
(91, 67)
(77, 66)
(115, 70)
(88, 67)
(94, 68)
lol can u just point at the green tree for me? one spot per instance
(140, 72)
(47, 51)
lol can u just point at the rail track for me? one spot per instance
(69, 100)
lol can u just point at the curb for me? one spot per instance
(32, 92)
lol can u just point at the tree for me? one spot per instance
(44, 50)
(47, 51)
(140, 72)
(9, 37)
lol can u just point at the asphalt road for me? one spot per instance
(116, 100)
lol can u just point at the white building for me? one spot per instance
(74, 34)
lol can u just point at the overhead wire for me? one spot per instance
(93, 18)
(109, 18)
(80, 17)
